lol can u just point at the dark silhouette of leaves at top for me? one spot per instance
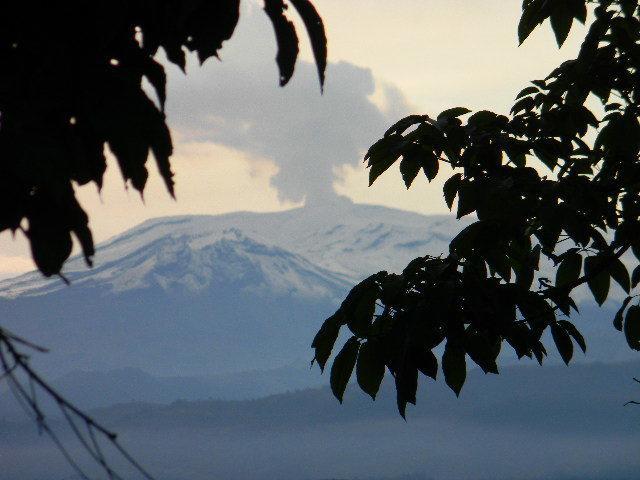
(71, 83)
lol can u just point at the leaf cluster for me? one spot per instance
(71, 83)
(549, 184)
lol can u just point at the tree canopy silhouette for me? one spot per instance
(71, 83)
(555, 183)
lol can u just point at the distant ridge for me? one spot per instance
(527, 423)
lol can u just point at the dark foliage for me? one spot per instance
(71, 83)
(578, 213)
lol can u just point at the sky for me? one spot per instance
(243, 143)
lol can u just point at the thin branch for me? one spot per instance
(29, 406)
(19, 359)
(598, 269)
(28, 401)
(633, 402)
(27, 343)
(84, 443)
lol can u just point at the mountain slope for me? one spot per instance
(207, 295)
(350, 240)
(213, 294)
(232, 305)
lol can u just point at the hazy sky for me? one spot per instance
(242, 143)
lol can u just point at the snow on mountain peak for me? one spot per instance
(311, 250)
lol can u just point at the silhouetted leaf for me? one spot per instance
(409, 168)
(526, 91)
(50, 227)
(632, 327)
(561, 21)
(402, 125)
(569, 270)
(519, 337)
(635, 277)
(549, 234)
(285, 36)
(370, 368)
(530, 18)
(158, 78)
(574, 333)
(465, 242)
(578, 9)
(563, 342)
(599, 279)
(539, 351)
(315, 28)
(406, 387)
(452, 113)
(343, 366)
(619, 273)
(454, 367)
(525, 104)
(450, 189)
(175, 54)
(326, 338)
(524, 275)
(382, 155)
(617, 320)
(426, 362)
(561, 299)
(467, 199)
(379, 168)
(430, 165)
(482, 352)
(536, 309)
(362, 315)
(208, 24)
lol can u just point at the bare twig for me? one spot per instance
(633, 402)
(13, 362)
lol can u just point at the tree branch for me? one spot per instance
(27, 398)
(586, 277)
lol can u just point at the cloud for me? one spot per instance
(236, 103)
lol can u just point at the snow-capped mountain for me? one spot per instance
(205, 295)
(199, 295)
(340, 240)
(181, 261)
